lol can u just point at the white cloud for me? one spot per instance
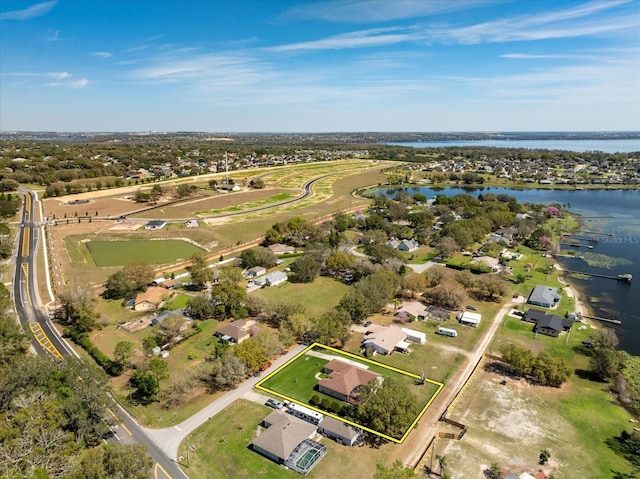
(80, 83)
(36, 10)
(367, 11)
(103, 54)
(365, 38)
(59, 75)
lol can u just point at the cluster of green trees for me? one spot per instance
(543, 369)
(52, 424)
(131, 279)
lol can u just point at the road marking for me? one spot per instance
(25, 270)
(125, 428)
(44, 340)
(26, 239)
(155, 471)
(177, 428)
(119, 421)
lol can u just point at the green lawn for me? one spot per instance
(298, 379)
(153, 252)
(219, 449)
(317, 297)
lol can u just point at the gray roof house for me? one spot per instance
(544, 296)
(339, 431)
(552, 325)
(283, 435)
(271, 279)
(404, 245)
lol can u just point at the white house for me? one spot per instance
(155, 225)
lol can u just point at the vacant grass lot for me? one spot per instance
(511, 423)
(122, 253)
(317, 297)
(220, 450)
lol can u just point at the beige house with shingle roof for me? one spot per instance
(283, 434)
(344, 380)
(236, 331)
(151, 300)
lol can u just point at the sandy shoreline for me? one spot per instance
(573, 292)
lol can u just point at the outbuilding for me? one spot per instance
(469, 318)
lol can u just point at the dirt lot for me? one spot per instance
(104, 206)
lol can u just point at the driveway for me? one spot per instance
(169, 439)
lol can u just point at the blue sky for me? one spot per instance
(303, 66)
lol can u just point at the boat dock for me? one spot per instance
(604, 320)
(577, 245)
(621, 277)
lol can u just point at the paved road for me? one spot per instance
(46, 340)
(169, 439)
(412, 450)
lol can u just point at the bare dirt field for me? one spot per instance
(104, 206)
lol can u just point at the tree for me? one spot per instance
(331, 327)
(276, 312)
(8, 206)
(252, 354)
(544, 457)
(223, 372)
(339, 260)
(446, 246)
(355, 305)
(228, 300)
(200, 307)
(123, 352)
(413, 283)
(200, 273)
(305, 269)
(146, 384)
(139, 273)
(448, 294)
(396, 471)
(184, 189)
(494, 472)
(13, 343)
(389, 407)
(78, 308)
(118, 285)
(442, 463)
(113, 461)
(172, 328)
(258, 256)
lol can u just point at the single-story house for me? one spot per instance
(492, 263)
(544, 296)
(345, 380)
(236, 332)
(151, 300)
(256, 271)
(157, 281)
(469, 318)
(552, 325)
(385, 340)
(169, 283)
(404, 245)
(279, 248)
(415, 309)
(271, 279)
(282, 436)
(339, 431)
(155, 225)
(191, 223)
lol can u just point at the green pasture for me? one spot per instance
(122, 253)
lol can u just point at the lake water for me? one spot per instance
(607, 146)
(616, 212)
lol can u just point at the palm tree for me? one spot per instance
(442, 463)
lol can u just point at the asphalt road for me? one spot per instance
(46, 340)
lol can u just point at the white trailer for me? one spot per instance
(469, 318)
(447, 332)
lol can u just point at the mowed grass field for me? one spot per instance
(122, 253)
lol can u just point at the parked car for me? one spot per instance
(472, 308)
(366, 324)
(519, 313)
(274, 404)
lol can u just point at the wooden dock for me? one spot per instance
(577, 245)
(604, 320)
(621, 277)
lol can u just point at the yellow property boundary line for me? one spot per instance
(360, 359)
